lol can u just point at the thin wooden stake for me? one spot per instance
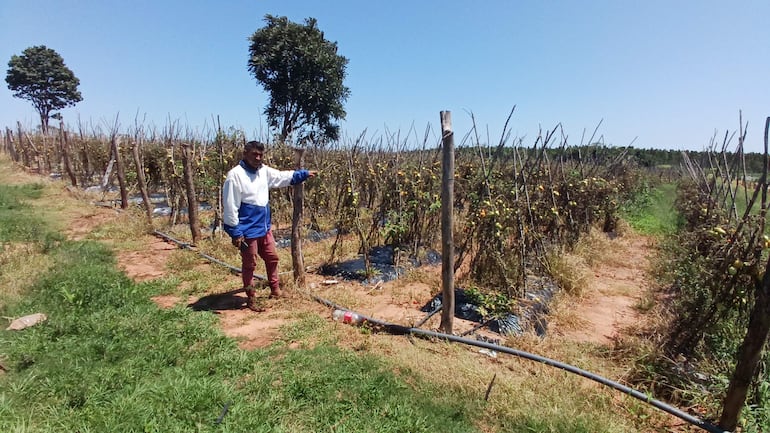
(489, 387)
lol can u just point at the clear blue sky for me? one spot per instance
(667, 74)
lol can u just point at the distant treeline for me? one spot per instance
(656, 158)
(647, 158)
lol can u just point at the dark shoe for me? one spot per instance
(251, 300)
(275, 293)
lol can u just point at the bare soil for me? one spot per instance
(608, 305)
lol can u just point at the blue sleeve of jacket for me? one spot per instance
(233, 232)
(299, 176)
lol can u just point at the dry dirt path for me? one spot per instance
(608, 306)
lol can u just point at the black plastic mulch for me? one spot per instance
(283, 238)
(533, 309)
(381, 260)
(532, 314)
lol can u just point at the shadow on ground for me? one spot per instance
(219, 301)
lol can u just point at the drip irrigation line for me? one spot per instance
(428, 316)
(222, 414)
(406, 330)
(572, 369)
(400, 330)
(475, 328)
(187, 246)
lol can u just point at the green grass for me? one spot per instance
(13, 228)
(653, 212)
(108, 359)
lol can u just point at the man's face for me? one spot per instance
(253, 157)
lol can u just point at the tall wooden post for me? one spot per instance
(65, 149)
(22, 148)
(87, 174)
(447, 222)
(146, 203)
(297, 261)
(11, 145)
(222, 173)
(192, 200)
(115, 144)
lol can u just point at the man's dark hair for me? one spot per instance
(258, 145)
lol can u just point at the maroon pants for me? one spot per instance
(265, 248)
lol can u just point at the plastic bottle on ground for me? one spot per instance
(345, 316)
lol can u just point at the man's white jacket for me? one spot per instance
(245, 195)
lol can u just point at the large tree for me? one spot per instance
(303, 74)
(40, 75)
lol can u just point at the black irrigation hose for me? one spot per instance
(399, 329)
(475, 328)
(425, 319)
(405, 330)
(572, 369)
(223, 413)
(187, 246)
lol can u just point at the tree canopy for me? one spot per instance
(304, 76)
(41, 76)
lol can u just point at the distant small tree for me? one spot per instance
(41, 76)
(304, 76)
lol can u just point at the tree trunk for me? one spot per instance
(447, 236)
(142, 181)
(44, 122)
(121, 171)
(65, 145)
(297, 261)
(192, 201)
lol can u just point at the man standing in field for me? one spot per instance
(246, 214)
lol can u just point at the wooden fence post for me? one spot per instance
(192, 200)
(11, 145)
(447, 222)
(115, 145)
(146, 203)
(297, 261)
(64, 145)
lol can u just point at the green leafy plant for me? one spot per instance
(490, 304)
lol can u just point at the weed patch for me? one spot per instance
(12, 203)
(651, 212)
